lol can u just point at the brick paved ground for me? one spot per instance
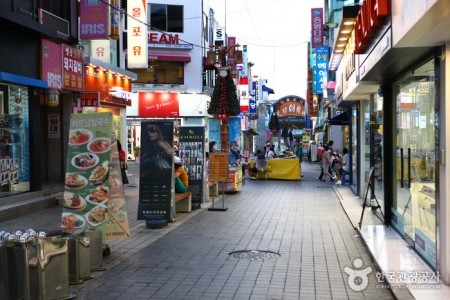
(189, 259)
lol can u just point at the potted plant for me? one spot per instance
(137, 153)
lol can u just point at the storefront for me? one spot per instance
(107, 88)
(415, 205)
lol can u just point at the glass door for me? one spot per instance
(415, 161)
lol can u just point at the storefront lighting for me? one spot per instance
(346, 26)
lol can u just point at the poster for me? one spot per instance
(93, 193)
(156, 188)
(192, 153)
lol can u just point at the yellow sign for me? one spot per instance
(218, 167)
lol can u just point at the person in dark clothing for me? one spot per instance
(123, 163)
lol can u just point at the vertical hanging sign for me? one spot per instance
(137, 52)
(192, 153)
(321, 69)
(316, 27)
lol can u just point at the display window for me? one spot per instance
(415, 159)
(162, 72)
(14, 140)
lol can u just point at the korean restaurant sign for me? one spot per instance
(100, 49)
(316, 27)
(371, 16)
(72, 64)
(158, 104)
(94, 19)
(137, 52)
(90, 99)
(61, 66)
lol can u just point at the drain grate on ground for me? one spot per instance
(254, 255)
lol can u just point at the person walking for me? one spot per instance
(123, 163)
(326, 165)
(298, 151)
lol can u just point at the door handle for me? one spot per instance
(409, 167)
(401, 168)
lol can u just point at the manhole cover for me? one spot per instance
(254, 254)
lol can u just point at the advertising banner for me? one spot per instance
(218, 167)
(158, 104)
(156, 183)
(192, 153)
(93, 193)
(253, 112)
(94, 19)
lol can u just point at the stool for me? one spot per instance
(345, 178)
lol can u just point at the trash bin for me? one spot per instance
(79, 258)
(3, 271)
(48, 266)
(17, 271)
(96, 249)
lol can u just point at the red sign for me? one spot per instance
(163, 38)
(90, 99)
(158, 105)
(51, 58)
(72, 64)
(371, 16)
(316, 27)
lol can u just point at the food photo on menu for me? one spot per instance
(86, 183)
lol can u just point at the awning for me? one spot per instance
(341, 119)
(169, 56)
(331, 85)
(264, 88)
(13, 78)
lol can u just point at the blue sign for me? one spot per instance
(321, 69)
(398, 221)
(253, 112)
(425, 247)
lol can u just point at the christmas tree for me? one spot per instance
(224, 100)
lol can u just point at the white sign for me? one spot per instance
(100, 49)
(137, 34)
(219, 34)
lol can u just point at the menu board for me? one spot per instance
(218, 167)
(93, 194)
(156, 182)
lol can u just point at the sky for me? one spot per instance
(276, 33)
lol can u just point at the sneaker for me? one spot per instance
(338, 182)
(334, 177)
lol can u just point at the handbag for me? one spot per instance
(123, 165)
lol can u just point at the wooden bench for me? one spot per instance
(183, 202)
(213, 188)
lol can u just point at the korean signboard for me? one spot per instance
(137, 51)
(321, 69)
(94, 19)
(72, 68)
(90, 99)
(316, 27)
(51, 57)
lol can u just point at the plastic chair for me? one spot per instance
(261, 166)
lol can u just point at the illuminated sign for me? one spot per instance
(371, 15)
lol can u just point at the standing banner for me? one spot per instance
(156, 188)
(192, 153)
(93, 194)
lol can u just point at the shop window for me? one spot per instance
(166, 17)
(162, 73)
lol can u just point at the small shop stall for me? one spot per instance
(283, 168)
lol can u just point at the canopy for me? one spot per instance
(341, 119)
